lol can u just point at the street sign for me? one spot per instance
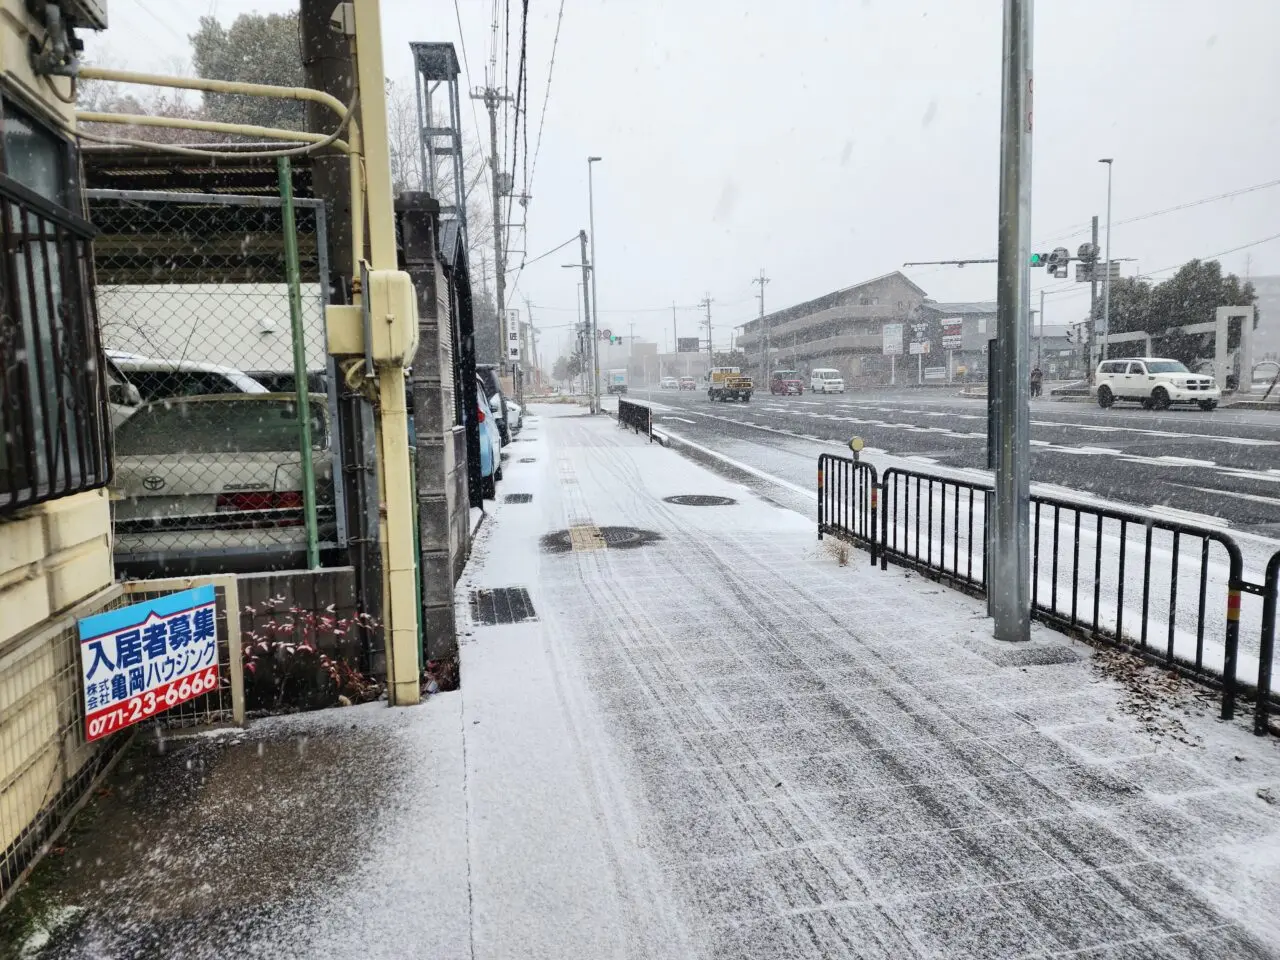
(1085, 272)
(891, 339)
(952, 333)
(146, 658)
(606, 334)
(687, 345)
(935, 373)
(513, 342)
(918, 347)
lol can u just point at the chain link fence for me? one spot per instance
(200, 343)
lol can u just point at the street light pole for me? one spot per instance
(1040, 340)
(595, 297)
(1008, 574)
(1106, 276)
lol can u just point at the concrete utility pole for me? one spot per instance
(711, 350)
(595, 294)
(1093, 303)
(1040, 340)
(1008, 574)
(1106, 277)
(675, 334)
(500, 188)
(592, 335)
(764, 334)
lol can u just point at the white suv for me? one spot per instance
(826, 380)
(1154, 382)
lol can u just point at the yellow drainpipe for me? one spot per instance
(354, 151)
(210, 126)
(396, 517)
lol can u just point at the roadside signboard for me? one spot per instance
(935, 373)
(687, 345)
(891, 339)
(146, 658)
(952, 333)
(919, 339)
(513, 342)
(918, 347)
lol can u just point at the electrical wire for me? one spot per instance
(466, 65)
(551, 66)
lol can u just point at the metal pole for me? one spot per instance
(1093, 304)
(593, 394)
(1106, 277)
(300, 386)
(595, 296)
(499, 271)
(1009, 586)
(1040, 339)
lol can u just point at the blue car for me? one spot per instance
(490, 447)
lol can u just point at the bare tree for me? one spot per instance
(407, 172)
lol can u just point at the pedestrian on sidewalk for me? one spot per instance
(1037, 380)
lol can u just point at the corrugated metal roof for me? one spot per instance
(962, 308)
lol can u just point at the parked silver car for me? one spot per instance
(214, 484)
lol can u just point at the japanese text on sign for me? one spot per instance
(952, 334)
(146, 658)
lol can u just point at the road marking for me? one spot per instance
(681, 419)
(744, 467)
(1186, 461)
(1253, 497)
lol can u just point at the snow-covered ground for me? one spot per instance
(705, 737)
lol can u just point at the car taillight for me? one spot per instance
(479, 415)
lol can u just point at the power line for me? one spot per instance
(466, 65)
(551, 66)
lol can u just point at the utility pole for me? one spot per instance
(1093, 302)
(675, 333)
(592, 334)
(764, 334)
(711, 352)
(1040, 341)
(501, 187)
(1008, 574)
(595, 294)
(1106, 277)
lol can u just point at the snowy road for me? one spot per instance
(1225, 464)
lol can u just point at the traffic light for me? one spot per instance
(1058, 261)
(1039, 259)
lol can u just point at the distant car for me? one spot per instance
(786, 383)
(214, 484)
(158, 379)
(1153, 382)
(826, 380)
(490, 447)
(488, 375)
(669, 383)
(688, 383)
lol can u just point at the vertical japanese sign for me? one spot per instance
(952, 334)
(146, 658)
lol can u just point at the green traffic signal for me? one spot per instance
(1039, 259)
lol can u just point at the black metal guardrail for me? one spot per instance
(1266, 648)
(638, 416)
(932, 524)
(848, 495)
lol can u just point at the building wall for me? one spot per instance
(53, 556)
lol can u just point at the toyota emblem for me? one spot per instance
(153, 482)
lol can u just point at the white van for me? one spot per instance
(826, 380)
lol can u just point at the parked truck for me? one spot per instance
(616, 381)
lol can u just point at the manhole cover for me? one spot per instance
(502, 605)
(700, 500)
(528, 459)
(597, 538)
(518, 498)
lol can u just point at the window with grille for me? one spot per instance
(53, 413)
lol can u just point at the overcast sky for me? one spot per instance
(829, 141)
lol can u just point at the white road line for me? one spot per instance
(681, 419)
(744, 467)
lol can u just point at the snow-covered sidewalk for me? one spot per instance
(697, 733)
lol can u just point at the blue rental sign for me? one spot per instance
(146, 658)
